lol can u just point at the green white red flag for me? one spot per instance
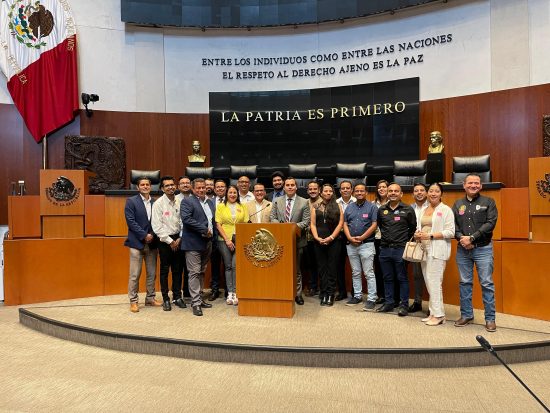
(38, 56)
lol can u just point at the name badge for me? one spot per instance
(167, 213)
(440, 214)
(397, 218)
(365, 215)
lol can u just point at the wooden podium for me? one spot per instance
(62, 195)
(266, 269)
(539, 198)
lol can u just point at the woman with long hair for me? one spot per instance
(435, 229)
(381, 198)
(228, 214)
(327, 220)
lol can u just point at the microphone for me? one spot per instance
(257, 212)
(489, 348)
(485, 344)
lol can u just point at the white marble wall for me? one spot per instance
(497, 44)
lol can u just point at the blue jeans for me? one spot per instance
(361, 259)
(482, 257)
(393, 266)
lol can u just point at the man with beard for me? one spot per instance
(209, 182)
(184, 186)
(277, 180)
(167, 226)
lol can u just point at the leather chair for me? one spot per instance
(236, 171)
(303, 173)
(353, 172)
(409, 172)
(464, 165)
(154, 176)
(199, 172)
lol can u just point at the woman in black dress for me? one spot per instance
(327, 220)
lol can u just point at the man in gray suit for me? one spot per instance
(292, 208)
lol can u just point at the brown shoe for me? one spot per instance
(153, 303)
(490, 326)
(134, 308)
(461, 322)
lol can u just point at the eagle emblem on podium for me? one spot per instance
(543, 186)
(263, 249)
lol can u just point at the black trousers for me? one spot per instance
(170, 261)
(216, 280)
(327, 266)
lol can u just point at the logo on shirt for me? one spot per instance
(263, 250)
(462, 210)
(386, 212)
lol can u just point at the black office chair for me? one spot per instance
(353, 172)
(464, 165)
(199, 172)
(303, 173)
(409, 172)
(236, 171)
(154, 176)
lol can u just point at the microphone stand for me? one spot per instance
(489, 348)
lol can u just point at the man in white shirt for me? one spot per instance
(345, 199)
(259, 209)
(420, 196)
(184, 186)
(166, 223)
(244, 190)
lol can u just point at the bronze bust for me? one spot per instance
(196, 157)
(436, 142)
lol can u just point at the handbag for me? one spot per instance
(414, 251)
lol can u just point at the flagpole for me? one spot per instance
(45, 152)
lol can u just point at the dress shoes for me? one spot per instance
(197, 310)
(385, 308)
(330, 300)
(153, 303)
(213, 295)
(180, 303)
(403, 311)
(134, 307)
(341, 296)
(414, 307)
(490, 326)
(299, 300)
(324, 299)
(435, 321)
(166, 306)
(461, 322)
(206, 305)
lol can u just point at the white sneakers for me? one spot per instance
(232, 299)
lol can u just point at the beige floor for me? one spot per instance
(45, 374)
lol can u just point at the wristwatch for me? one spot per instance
(471, 238)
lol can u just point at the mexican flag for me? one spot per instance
(38, 57)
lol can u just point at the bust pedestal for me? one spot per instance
(435, 168)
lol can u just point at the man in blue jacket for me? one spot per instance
(198, 231)
(142, 243)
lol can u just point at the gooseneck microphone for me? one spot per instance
(489, 348)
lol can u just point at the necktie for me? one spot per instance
(287, 210)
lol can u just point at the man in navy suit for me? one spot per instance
(142, 243)
(198, 230)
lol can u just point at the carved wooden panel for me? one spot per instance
(105, 156)
(546, 135)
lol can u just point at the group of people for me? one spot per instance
(198, 225)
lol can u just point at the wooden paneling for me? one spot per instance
(540, 228)
(115, 222)
(94, 211)
(47, 270)
(67, 226)
(525, 282)
(24, 216)
(514, 213)
(153, 140)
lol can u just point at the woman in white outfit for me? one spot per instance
(436, 228)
